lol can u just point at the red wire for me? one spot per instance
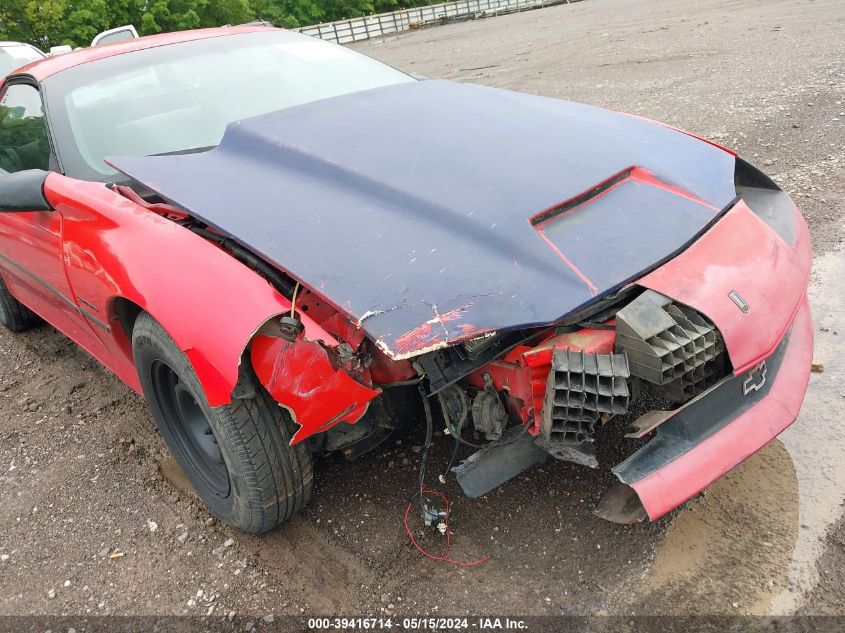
(444, 557)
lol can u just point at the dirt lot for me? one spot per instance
(83, 473)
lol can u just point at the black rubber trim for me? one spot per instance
(23, 191)
(700, 418)
(88, 303)
(766, 200)
(577, 201)
(93, 319)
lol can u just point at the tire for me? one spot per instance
(237, 456)
(13, 314)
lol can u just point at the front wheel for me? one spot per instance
(237, 456)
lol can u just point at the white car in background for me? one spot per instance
(119, 34)
(13, 55)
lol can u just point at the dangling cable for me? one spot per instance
(424, 490)
(429, 433)
(293, 300)
(444, 556)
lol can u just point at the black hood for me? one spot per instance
(432, 212)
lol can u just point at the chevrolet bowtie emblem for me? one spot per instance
(754, 379)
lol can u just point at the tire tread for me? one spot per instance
(278, 477)
(18, 317)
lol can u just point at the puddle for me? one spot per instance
(733, 544)
(816, 441)
(750, 544)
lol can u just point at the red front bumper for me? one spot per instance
(694, 470)
(694, 448)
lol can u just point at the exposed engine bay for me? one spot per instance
(515, 398)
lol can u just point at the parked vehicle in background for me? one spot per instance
(61, 49)
(119, 34)
(13, 55)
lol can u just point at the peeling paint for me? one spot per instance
(367, 315)
(416, 352)
(371, 313)
(423, 334)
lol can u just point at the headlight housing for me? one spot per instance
(765, 199)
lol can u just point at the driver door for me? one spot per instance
(31, 241)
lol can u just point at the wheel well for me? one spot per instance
(124, 312)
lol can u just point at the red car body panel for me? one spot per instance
(522, 374)
(111, 249)
(300, 375)
(731, 257)
(741, 253)
(100, 247)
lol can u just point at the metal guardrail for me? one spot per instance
(381, 24)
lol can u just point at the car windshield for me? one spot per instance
(14, 56)
(180, 97)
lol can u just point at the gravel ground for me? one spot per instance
(96, 519)
(829, 595)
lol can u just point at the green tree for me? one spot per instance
(221, 12)
(45, 19)
(177, 15)
(84, 20)
(13, 21)
(290, 13)
(171, 15)
(47, 23)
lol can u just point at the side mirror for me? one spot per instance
(24, 191)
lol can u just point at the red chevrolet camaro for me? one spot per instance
(291, 249)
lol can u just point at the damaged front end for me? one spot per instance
(658, 367)
(700, 360)
(701, 366)
(575, 379)
(341, 391)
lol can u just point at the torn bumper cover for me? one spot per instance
(737, 370)
(714, 432)
(769, 339)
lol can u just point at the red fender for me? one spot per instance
(301, 376)
(208, 302)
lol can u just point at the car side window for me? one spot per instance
(23, 130)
